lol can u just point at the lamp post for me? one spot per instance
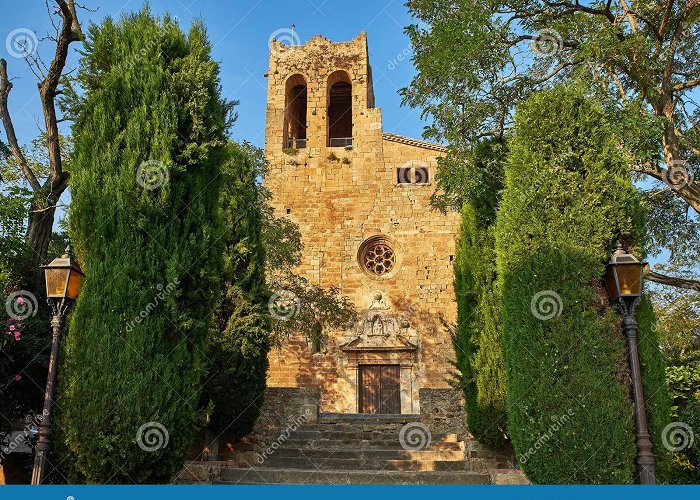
(623, 279)
(63, 280)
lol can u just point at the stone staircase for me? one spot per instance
(359, 449)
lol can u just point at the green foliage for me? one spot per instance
(508, 49)
(477, 339)
(237, 351)
(24, 334)
(684, 384)
(149, 144)
(645, 59)
(14, 205)
(679, 324)
(567, 198)
(686, 461)
(37, 157)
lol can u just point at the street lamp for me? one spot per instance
(63, 281)
(623, 279)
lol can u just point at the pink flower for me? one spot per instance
(18, 378)
(18, 336)
(12, 328)
(21, 301)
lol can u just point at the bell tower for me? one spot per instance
(320, 99)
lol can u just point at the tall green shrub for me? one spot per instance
(237, 350)
(568, 195)
(149, 143)
(477, 339)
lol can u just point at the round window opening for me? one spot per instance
(376, 256)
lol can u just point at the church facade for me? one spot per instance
(360, 197)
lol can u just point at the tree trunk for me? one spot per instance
(677, 175)
(39, 233)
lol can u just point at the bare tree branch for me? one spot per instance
(662, 279)
(687, 85)
(5, 87)
(689, 192)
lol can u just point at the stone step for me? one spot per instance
(353, 444)
(347, 434)
(383, 428)
(372, 454)
(366, 464)
(365, 418)
(256, 475)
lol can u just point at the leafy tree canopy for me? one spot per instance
(476, 60)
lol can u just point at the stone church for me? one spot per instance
(361, 198)
(370, 403)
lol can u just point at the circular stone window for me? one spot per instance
(377, 256)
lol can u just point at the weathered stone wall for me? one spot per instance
(340, 197)
(283, 411)
(442, 411)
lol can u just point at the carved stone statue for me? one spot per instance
(377, 327)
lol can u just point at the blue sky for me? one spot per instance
(239, 31)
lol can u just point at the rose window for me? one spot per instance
(377, 257)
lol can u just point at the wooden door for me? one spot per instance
(380, 389)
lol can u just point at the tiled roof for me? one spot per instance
(414, 142)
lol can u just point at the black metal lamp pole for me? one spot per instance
(645, 458)
(623, 279)
(42, 446)
(63, 281)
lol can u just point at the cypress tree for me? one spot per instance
(477, 339)
(150, 138)
(568, 196)
(237, 350)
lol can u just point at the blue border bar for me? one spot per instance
(347, 492)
